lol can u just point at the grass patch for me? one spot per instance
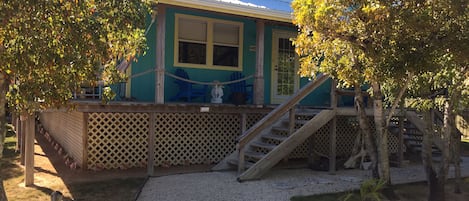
(9, 167)
(405, 192)
(116, 189)
(321, 197)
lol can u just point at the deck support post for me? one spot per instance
(151, 145)
(291, 121)
(333, 129)
(20, 139)
(160, 49)
(29, 150)
(85, 141)
(243, 123)
(258, 96)
(240, 159)
(400, 138)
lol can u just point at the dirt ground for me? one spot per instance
(51, 174)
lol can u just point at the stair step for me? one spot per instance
(297, 122)
(264, 145)
(254, 155)
(413, 139)
(307, 112)
(274, 137)
(419, 148)
(235, 162)
(280, 129)
(413, 135)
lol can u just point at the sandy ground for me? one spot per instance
(277, 185)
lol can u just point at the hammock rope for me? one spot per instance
(213, 83)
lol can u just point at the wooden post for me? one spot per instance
(400, 137)
(240, 159)
(151, 145)
(243, 123)
(291, 121)
(334, 94)
(333, 136)
(84, 163)
(160, 54)
(22, 135)
(258, 98)
(29, 151)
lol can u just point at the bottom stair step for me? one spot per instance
(235, 162)
(254, 155)
(264, 145)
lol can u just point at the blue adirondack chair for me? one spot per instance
(240, 89)
(188, 91)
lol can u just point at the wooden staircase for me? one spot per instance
(276, 135)
(415, 128)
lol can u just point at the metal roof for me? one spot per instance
(278, 10)
(278, 5)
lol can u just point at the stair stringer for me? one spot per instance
(287, 146)
(224, 164)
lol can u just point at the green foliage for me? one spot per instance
(383, 41)
(108, 94)
(48, 49)
(370, 190)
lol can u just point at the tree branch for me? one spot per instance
(399, 97)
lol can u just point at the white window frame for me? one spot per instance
(209, 44)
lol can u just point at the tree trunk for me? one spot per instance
(365, 128)
(446, 136)
(437, 178)
(381, 133)
(455, 143)
(456, 155)
(434, 191)
(436, 187)
(3, 91)
(3, 196)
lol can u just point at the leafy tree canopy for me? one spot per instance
(364, 40)
(48, 49)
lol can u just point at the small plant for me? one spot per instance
(108, 95)
(370, 190)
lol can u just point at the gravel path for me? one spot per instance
(277, 185)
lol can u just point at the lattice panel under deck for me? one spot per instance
(186, 139)
(252, 119)
(117, 140)
(347, 130)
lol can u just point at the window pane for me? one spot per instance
(193, 53)
(225, 56)
(226, 33)
(190, 29)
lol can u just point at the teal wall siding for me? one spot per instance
(143, 87)
(207, 75)
(319, 97)
(267, 63)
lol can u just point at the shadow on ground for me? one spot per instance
(87, 185)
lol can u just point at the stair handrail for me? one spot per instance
(278, 112)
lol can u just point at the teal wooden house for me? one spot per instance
(219, 87)
(212, 39)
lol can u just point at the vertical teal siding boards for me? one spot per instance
(143, 87)
(208, 75)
